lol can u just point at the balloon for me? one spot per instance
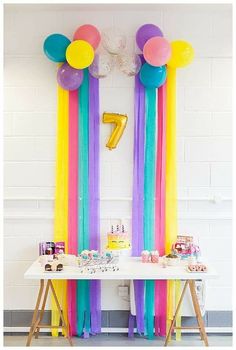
(101, 66)
(130, 64)
(79, 54)
(157, 51)
(88, 33)
(55, 46)
(152, 77)
(113, 41)
(182, 54)
(120, 122)
(146, 32)
(69, 78)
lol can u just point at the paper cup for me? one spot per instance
(154, 258)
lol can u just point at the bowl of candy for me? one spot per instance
(172, 259)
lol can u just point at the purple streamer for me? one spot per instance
(94, 224)
(131, 326)
(139, 302)
(138, 172)
(138, 195)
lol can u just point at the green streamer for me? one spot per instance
(83, 306)
(149, 200)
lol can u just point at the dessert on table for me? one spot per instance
(118, 238)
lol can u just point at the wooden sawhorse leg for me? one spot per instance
(201, 327)
(35, 314)
(42, 309)
(198, 312)
(36, 321)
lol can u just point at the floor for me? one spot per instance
(116, 340)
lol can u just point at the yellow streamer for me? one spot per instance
(177, 297)
(173, 288)
(61, 199)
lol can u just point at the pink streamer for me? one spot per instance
(161, 286)
(73, 202)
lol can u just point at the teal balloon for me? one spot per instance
(55, 46)
(152, 77)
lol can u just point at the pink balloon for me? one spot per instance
(157, 51)
(88, 33)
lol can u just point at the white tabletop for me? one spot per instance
(129, 269)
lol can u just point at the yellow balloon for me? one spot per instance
(80, 54)
(120, 122)
(182, 54)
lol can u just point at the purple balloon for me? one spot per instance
(146, 32)
(69, 78)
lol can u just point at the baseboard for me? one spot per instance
(209, 330)
(117, 320)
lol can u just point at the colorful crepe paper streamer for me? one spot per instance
(73, 203)
(160, 286)
(94, 224)
(88, 212)
(171, 188)
(138, 201)
(138, 172)
(61, 200)
(149, 200)
(83, 293)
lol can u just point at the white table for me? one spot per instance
(129, 269)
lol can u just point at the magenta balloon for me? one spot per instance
(146, 32)
(69, 78)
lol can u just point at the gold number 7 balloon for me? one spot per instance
(120, 121)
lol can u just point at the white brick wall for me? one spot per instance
(204, 135)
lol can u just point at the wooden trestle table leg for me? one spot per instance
(36, 321)
(176, 314)
(197, 310)
(31, 332)
(42, 310)
(64, 325)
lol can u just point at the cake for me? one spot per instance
(118, 239)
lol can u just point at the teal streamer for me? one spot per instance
(83, 305)
(149, 307)
(149, 200)
(149, 169)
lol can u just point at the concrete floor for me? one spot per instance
(116, 340)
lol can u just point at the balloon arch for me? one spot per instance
(101, 52)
